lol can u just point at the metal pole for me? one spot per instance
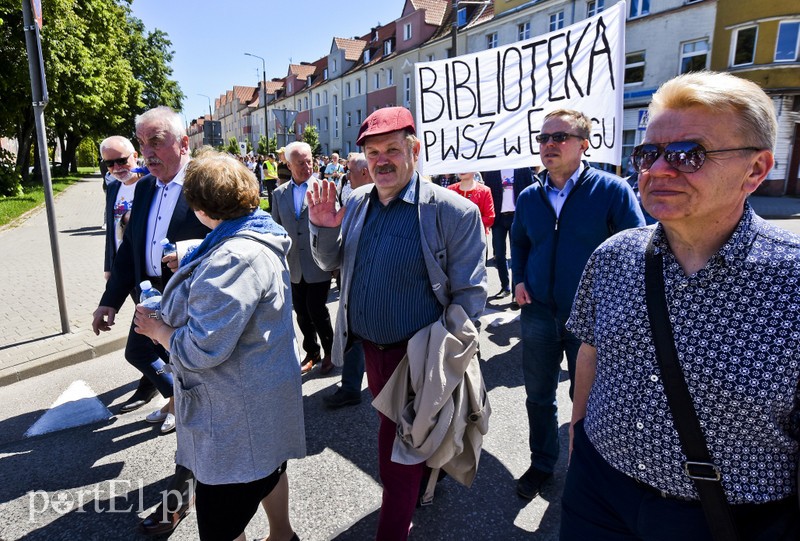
(39, 94)
(454, 48)
(264, 80)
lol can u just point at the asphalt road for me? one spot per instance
(93, 482)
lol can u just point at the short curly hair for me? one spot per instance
(220, 185)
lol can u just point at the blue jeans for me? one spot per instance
(545, 340)
(353, 369)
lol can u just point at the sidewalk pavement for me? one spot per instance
(31, 341)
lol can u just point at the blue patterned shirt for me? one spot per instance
(736, 324)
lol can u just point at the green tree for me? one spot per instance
(102, 68)
(249, 146)
(311, 136)
(233, 146)
(263, 145)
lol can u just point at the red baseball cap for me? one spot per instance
(386, 120)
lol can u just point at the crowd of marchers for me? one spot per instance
(680, 337)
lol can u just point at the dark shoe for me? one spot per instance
(530, 484)
(308, 363)
(327, 365)
(505, 292)
(341, 398)
(514, 304)
(138, 399)
(160, 523)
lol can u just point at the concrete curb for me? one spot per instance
(71, 349)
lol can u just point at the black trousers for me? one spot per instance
(223, 511)
(603, 504)
(313, 318)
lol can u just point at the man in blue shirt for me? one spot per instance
(406, 249)
(557, 225)
(730, 281)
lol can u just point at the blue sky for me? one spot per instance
(210, 38)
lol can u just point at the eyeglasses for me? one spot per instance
(684, 156)
(118, 161)
(558, 137)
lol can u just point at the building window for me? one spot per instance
(389, 77)
(639, 8)
(786, 48)
(316, 99)
(358, 87)
(595, 7)
(491, 40)
(377, 80)
(407, 90)
(744, 48)
(556, 21)
(325, 97)
(359, 118)
(366, 56)
(347, 90)
(694, 56)
(431, 57)
(634, 68)
(407, 31)
(628, 142)
(333, 65)
(524, 31)
(318, 126)
(305, 102)
(387, 47)
(325, 74)
(462, 17)
(335, 115)
(325, 123)
(348, 119)
(289, 88)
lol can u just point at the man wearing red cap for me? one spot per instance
(406, 249)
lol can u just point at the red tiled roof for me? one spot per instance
(435, 10)
(352, 47)
(245, 94)
(301, 71)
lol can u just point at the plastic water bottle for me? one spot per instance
(150, 298)
(167, 247)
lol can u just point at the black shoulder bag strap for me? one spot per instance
(698, 466)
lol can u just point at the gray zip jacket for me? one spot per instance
(453, 245)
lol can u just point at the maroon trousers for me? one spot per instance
(401, 483)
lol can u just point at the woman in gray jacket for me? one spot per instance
(226, 318)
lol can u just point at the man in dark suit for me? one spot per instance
(310, 284)
(506, 186)
(119, 158)
(161, 212)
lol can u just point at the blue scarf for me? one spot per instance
(257, 221)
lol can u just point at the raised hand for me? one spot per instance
(322, 210)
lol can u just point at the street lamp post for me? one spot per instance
(264, 81)
(210, 118)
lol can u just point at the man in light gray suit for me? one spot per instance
(310, 284)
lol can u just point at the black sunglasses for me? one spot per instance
(558, 137)
(118, 161)
(685, 156)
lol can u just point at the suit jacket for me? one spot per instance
(111, 249)
(301, 261)
(128, 269)
(523, 178)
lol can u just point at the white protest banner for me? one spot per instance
(482, 111)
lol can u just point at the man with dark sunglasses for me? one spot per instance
(730, 288)
(119, 157)
(558, 222)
